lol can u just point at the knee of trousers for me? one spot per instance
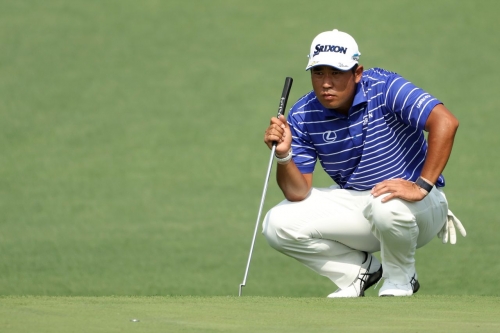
(278, 233)
(384, 216)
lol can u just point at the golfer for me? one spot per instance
(366, 129)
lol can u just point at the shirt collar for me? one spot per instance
(359, 96)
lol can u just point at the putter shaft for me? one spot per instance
(262, 200)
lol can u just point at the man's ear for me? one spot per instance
(358, 73)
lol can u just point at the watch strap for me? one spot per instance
(424, 184)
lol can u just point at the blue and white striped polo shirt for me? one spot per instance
(381, 137)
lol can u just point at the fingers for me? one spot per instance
(386, 186)
(275, 132)
(278, 133)
(379, 189)
(398, 188)
(283, 120)
(389, 197)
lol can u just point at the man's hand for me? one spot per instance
(279, 132)
(294, 184)
(398, 188)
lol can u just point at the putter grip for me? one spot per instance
(284, 96)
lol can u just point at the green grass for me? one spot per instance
(249, 314)
(132, 161)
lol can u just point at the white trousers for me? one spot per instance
(330, 230)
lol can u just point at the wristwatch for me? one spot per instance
(424, 184)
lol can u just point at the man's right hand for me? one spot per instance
(279, 132)
(293, 183)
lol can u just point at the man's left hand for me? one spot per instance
(398, 188)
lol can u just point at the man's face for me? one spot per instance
(335, 89)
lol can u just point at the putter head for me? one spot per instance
(241, 289)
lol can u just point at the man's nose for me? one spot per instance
(327, 81)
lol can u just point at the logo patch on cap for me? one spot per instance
(329, 48)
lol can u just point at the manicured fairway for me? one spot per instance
(132, 160)
(132, 163)
(249, 314)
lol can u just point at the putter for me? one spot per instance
(281, 111)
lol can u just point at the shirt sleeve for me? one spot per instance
(304, 154)
(411, 104)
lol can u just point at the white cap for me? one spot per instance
(334, 48)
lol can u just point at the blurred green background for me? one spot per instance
(131, 138)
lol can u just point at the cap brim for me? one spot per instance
(309, 66)
(340, 63)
